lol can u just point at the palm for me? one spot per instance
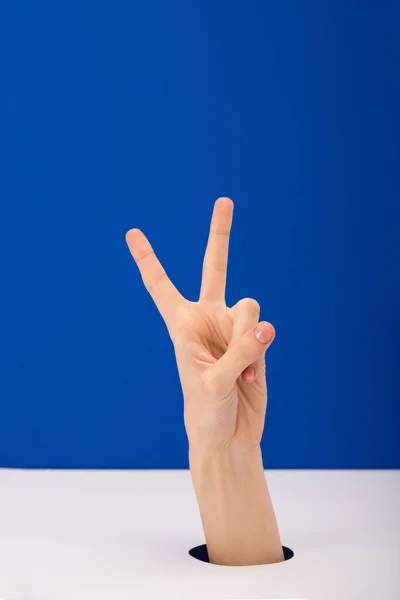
(206, 335)
(201, 333)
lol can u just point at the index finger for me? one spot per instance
(165, 295)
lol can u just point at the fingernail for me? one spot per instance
(250, 374)
(263, 333)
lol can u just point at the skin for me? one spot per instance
(220, 354)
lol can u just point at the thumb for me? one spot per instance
(242, 353)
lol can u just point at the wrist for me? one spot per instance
(227, 462)
(227, 475)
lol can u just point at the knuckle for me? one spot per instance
(159, 279)
(143, 256)
(251, 305)
(214, 265)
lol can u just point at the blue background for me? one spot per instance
(140, 114)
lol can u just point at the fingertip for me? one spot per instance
(224, 200)
(264, 332)
(131, 233)
(135, 239)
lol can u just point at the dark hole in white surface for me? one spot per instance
(200, 553)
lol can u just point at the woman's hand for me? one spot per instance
(220, 356)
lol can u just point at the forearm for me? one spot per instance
(236, 510)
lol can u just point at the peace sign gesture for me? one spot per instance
(220, 351)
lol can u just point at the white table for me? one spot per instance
(118, 535)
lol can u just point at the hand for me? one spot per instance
(220, 359)
(221, 364)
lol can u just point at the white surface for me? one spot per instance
(74, 535)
